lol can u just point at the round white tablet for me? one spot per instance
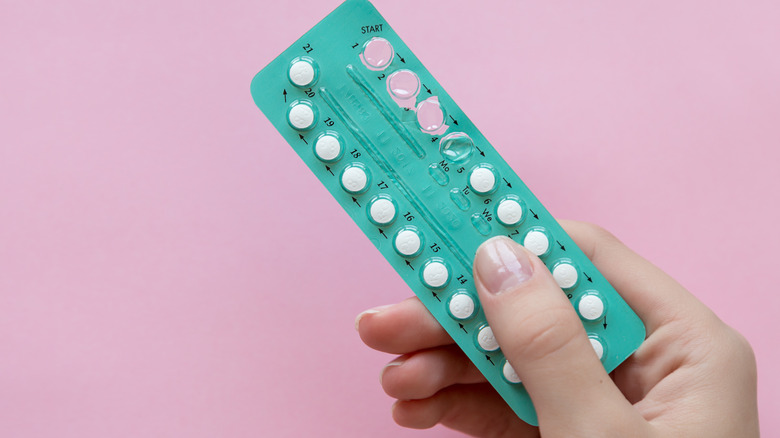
(462, 306)
(482, 180)
(537, 242)
(354, 179)
(598, 347)
(301, 116)
(302, 73)
(591, 307)
(382, 211)
(510, 374)
(486, 339)
(435, 274)
(327, 148)
(407, 242)
(509, 212)
(565, 275)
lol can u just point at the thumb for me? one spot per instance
(543, 339)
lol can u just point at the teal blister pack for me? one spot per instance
(424, 184)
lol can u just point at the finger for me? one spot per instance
(423, 374)
(473, 409)
(544, 340)
(401, 328)
(655, 296)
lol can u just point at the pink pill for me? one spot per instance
(403, 84)
(430, 116)
(377, 54)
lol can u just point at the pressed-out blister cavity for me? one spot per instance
(456, 147)
(430, 116)
(424, 185)
(404, 86)
(377, 53)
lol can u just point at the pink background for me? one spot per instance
(169, 267)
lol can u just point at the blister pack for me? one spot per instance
(424, 184)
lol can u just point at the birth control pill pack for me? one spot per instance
(424, 184)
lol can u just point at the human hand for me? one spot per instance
(693, 376)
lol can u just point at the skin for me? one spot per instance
(694, 376)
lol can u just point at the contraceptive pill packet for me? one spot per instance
(424, 185)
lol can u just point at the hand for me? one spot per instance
(692, 377)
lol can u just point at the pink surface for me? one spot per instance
(168, 266)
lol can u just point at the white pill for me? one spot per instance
(301, 116)
(382, 211)
(435, 274)
(510, 374)
(598, 347)
(486, 339)
(536, 242)
(462, 306)
(408, 242)
(302, 73)
(482, 180)
(354, 179)
(591, 307)
(327, 148)
(565, 275)
(509, 212)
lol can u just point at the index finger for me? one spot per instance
(656, 297)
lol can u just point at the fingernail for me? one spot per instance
(369, 312)
(395, 363)
(501, 264)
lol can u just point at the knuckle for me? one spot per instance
(590, 237)
(599, 232)
(416, 414)
(544, 333)
(742, 347)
